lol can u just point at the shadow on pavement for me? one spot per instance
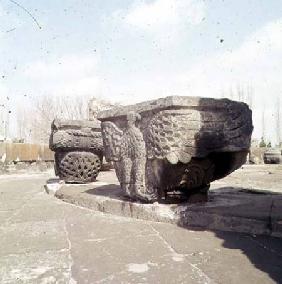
(264, 252)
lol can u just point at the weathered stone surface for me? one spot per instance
(256, 155)
(44, 240)
(228, 209)
(272, 156)
(175, 144)
(78, 149)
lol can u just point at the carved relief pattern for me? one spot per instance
(197, 174)
(77, 139)
(127, 148)
(170, 135)
(78, 166)
(173, 148)
(78, 151)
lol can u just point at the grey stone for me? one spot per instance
(276, 217)
(235, 211)
(272, 156)
(228, 209)
(45, 240)
(175, 144)
(78, 149)
(256, 155)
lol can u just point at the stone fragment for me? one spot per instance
(272, 156)
(78, 149)
(175, 145)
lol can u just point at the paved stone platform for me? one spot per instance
(228, 209)
(45, 240)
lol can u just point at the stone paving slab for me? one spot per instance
(45, 240)
(228, 209)
(124, 250)
(255, 177)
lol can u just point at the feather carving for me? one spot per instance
(112, 138)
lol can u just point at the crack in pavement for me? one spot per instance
(71, 262)
(17, 210)
(203, 277)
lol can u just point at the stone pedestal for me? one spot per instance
(228, 208)
(78, 150)
(175, 145)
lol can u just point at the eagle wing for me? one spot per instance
(171, 135)
(179, 134)
(112, 137)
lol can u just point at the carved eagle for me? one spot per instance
(180, 134)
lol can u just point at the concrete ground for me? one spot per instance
(255, 177)
(253, 209)
(44, 240)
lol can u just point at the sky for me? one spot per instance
(130, 51)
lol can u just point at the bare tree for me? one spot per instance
(242, 93)
(250, 95)
(263, 121)
(278, 120)
(231, 94)
(23, 126)
(222, 94)
(36, 125)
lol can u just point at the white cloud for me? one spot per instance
(3, 91)
(69, 75)
(163, 14)
(256, 62)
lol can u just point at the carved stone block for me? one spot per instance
(175, 145)
(78, 149)
(272, 156)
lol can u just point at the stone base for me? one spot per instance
(227, 209)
